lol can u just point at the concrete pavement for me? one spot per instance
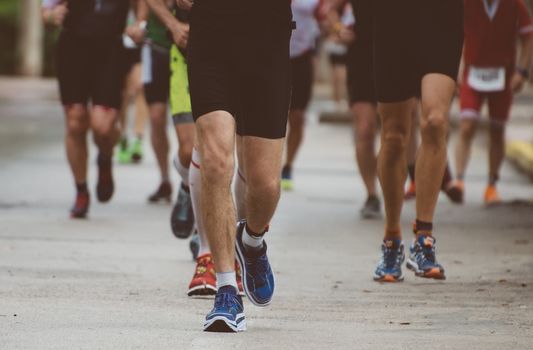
(118, 279)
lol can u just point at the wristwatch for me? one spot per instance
(523, 72)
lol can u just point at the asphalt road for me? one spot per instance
(118, 280)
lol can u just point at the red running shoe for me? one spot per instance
(204, 281)
(81, 206)
(239, 278)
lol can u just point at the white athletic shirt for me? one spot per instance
(305, 13)
(50, 3)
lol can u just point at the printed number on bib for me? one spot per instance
(486, 79)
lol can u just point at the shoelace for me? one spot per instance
(260, 269)
(390, 257)
(425, 254)
(224, 300)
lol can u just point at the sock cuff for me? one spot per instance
(226, 279)
(195, 159)
(255, 234)
(422, 226)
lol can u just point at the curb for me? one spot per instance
(521, 154)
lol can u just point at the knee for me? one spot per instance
(434, 128)
(77, 124)
(158, 117)
(365, 133)
(497, 133)
(395, 139)
(467, 130)
(263, 185)
(217, 164)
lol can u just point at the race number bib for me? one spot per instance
(487, 79)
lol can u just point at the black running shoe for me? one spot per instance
(105, 186)
(182, 217)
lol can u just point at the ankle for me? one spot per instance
(392, 234)
(423, 228)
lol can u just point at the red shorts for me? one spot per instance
(499, 102)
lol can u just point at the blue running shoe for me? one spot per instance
(422, 260)
(389, 268)
(228, 313)
(258, 278)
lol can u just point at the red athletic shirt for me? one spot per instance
(491, 31)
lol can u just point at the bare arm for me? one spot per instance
(524, 62)
(136, 31)
(179, 31)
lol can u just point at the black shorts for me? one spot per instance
(131, 58)
(238, 55)
(156, 74)
(410, 38)
(90, 70)
(360, 73)
(337, 59)
(302, 80)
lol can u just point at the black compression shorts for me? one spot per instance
(156, 74)
(90, 70)
(360, 73)
(302, 80)
(238, 55)
(410, 39)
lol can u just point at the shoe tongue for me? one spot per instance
(426, 241)
(227, 290)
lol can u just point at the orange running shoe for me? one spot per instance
(491, 196)
(411, 191)
(204, 281)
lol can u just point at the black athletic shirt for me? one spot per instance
(96, 18)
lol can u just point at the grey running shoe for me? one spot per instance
(182, 217)
(371, 209)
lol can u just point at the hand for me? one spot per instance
(135, 33)
(180, 34)
(517, 82)
(184, 4)
(346, 35)
(58, 14)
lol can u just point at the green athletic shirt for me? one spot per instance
(157, 33)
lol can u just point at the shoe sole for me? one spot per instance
(78, 216)
(388, 279)
(160, 198)
(370, 215)
(434, 273)
(221, 324)
(202, 290)
(249, 295)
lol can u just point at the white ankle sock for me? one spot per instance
(226, 279)
(182, 170)
(251, 240)
(195, 185)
